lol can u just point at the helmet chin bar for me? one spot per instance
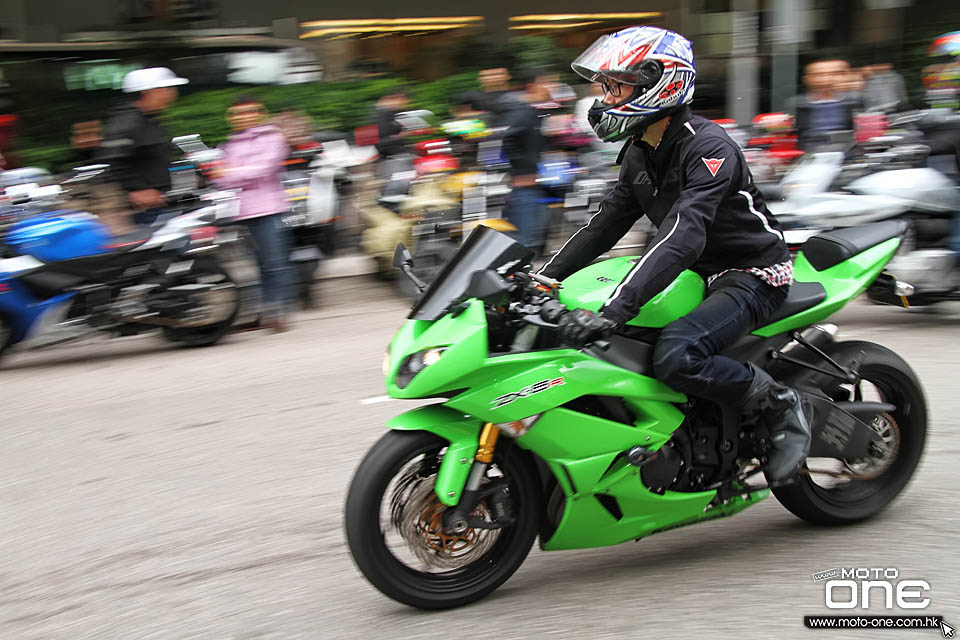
(614, 127)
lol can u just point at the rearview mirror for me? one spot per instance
(489, 286)
(402, 256)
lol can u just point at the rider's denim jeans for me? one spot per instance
(685, 356)
(272, 246)
(527, 214)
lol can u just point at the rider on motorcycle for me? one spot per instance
(686, 174)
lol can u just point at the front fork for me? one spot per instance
(457, 519)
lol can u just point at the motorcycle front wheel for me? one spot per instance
(394, 526)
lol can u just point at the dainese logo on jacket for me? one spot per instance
(713, 164)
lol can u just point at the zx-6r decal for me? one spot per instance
(536, 387)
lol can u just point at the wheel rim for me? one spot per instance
(410, 525)
(845, 482)
(214, 306)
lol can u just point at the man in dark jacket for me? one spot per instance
(825, 108)
(522, 145)
(685, 174)
(136, 146)
(389, 131)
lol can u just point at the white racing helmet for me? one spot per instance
(658, 69)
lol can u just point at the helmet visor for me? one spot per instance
(598, 63)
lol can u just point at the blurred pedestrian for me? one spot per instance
(85, 140)
(522, 145)
(389, 130)
(137, 147)
(253, 162)
(884, 89)
(826, 107)
(496, 84)
(104, 199)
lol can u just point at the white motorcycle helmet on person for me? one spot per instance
(650, 69)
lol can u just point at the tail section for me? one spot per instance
(832, 269)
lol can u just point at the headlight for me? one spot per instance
(386, 363)
(416, 363)
(420, 361)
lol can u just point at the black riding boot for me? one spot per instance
(780, 409)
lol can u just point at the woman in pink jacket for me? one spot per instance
(253, 162)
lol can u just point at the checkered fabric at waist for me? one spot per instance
(779, 275)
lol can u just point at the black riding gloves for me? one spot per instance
(580, 326)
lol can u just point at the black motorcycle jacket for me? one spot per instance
(697, 189)
(137, 149)
(522, 139)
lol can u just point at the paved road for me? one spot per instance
(151, 492)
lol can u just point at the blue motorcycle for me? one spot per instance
(63, 276)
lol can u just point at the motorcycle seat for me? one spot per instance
(829, 249)
(129, 241)
(802, 296)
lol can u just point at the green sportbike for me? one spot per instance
(527, 437)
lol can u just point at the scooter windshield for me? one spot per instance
(483, 249)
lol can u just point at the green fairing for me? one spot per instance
(463, 433)
(582, 451)
(843, 283)
(592, 286)
(580, 374)
(465, 335)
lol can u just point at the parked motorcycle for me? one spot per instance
(585, 448)
(894, 183)
(63, 276)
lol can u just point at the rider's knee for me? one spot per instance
(675, 360)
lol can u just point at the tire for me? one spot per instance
(206, 335)
(861, 499)
(449, 588)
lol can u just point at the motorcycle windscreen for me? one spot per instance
(483, 249)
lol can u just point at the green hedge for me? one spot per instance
(341, 106)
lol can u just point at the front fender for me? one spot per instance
(463, 434)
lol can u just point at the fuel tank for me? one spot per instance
(592, 286)
(59, 235)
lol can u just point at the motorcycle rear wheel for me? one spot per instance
(858, 499)
(464, 569)
(210, 334)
